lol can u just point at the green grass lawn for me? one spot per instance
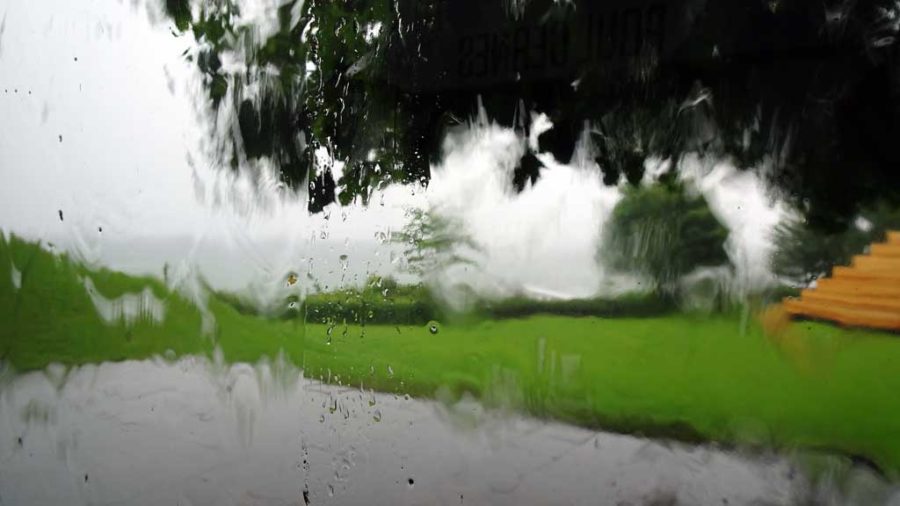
(676, 375)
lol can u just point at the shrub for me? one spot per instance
(662, 233)
(630, 305)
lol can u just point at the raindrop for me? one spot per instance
(390, 371)
(321, 418)
(376, 415)
(60, 214)
(85, 478)
(76, 58)
(100, 229)
(411, 482)
(60, 137)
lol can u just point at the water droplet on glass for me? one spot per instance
(376, 415)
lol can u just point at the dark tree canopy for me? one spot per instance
(812, 86)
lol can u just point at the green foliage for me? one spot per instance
(803, 253)
(385, 301)
(180, 12)
(821, 93)
(381, 301)
(316, 81)
(625, 306)
(433, 243)
(663, 233)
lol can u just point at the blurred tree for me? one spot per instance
(433, 243)
(803, 253)
(662, 233)
(813, 89)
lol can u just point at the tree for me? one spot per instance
(433, 243)
(803, 253)
(811, 89)
(317, 80)
(663, 233)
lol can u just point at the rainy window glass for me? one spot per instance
(273, 252)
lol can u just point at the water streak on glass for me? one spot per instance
(638, 252)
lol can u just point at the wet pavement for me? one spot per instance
(195, 432)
